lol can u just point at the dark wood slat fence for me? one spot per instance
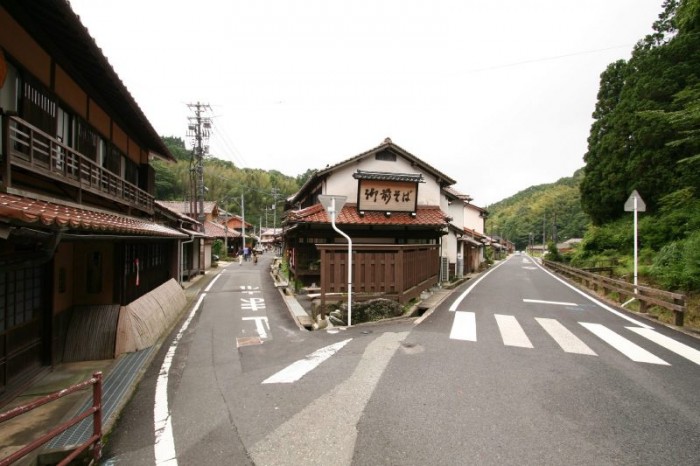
(395, 271)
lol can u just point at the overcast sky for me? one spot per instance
(496, 94)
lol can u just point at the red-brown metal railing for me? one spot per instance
(31, 148)
(95, 411)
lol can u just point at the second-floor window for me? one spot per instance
(37, 107)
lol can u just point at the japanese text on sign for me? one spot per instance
(387, 195)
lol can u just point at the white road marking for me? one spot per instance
(458, 301)
(623, 345)
(212, 283)
(669, 343)
(564, 338)
(260, 325)
(303, 439)
(164, 446)
(558, 303)
(463, 326)
(299, 369)
(511, 331)
(249, 289)
(252, 304)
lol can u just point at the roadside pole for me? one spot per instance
(635, 204)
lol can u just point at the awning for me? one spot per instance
(470, 240)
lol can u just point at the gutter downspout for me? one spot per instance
(181, 257)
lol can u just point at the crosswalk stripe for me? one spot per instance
(669, 343)
(463, 326)
(511, 331)
(564, 338)
(623, 345)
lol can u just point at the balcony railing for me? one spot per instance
(32, 149)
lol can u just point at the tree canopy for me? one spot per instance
(261, 193)
(646, 120)
(552, 210)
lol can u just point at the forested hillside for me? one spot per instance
(553, 209)
(645, 137)
(226, 183)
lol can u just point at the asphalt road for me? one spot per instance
(515, 367)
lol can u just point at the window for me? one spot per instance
(94, 272)
(37, 107)
(9, 97)
(131, 171)
(20, 296)
(86, 139)
(385, 156)
(113, 160)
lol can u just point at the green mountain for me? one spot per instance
(261, 193)
(552, 210)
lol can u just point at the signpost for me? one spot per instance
(334, 204)
(635, 204)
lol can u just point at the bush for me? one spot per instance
(677, 265)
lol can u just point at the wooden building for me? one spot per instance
(79, 229)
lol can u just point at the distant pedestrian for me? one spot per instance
(240, 259)
(246, 253)
(255, 257)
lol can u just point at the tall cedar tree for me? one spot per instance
(629, 148)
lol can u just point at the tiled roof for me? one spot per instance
(53, 214)
(386, 176)
(217, 230)
(386, 145)
(425, 216)
(453, 192)
(183, 207)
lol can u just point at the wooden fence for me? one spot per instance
(646, 296)
(394, 271)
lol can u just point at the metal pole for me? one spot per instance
(635, 245)
(243, 219)
(332, 211)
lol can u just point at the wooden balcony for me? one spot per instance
(33, 150)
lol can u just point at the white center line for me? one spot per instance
(557, 303)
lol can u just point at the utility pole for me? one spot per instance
(544, 234)
(198, 130)
(275, 193)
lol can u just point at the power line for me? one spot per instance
(235, 154)
(543, 59)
